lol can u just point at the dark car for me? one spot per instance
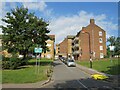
(62, 59)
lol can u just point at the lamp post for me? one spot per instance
(89, 48)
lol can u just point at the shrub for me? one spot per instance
(15, 63)
(5, 65)
(11, 63)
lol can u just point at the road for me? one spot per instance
(73, 77)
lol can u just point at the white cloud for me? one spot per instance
(18, 0)
(41, 6)
(31, 5)
(70, 25)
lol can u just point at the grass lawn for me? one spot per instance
(106, 66)
(27, 73)
(0, 76)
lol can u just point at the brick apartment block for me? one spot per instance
(90, 41)
(50, 44)
(64, 49)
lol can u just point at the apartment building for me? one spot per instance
(57, 49)
(64, 49)
(50, 44)
(90, 42)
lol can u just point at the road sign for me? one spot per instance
(38, 50)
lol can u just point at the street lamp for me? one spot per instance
(89, 48)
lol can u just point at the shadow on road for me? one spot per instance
(84, 84)
(55, 63)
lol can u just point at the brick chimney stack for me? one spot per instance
(83, 28)
(92, 21)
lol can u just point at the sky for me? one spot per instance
(68, 18)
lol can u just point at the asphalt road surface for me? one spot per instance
(73, 77)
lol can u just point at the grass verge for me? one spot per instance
(110, 66)
(27, 74)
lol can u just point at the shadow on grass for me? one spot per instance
(41, 62)
(23, 67)
(113, 70)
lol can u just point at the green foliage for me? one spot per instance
(5, 65)
(113, 42)
(24, 31)
(11, 63)
(27, 73)
(108, 52)
(117, 46)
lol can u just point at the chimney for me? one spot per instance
(83, 28)
(92, 21)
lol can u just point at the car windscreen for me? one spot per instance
(71, 60)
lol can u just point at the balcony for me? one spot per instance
(76, 45)
(76, 38)
(76, 52)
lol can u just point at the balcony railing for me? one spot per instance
(75, 46)
(76, 52)
(76, 38)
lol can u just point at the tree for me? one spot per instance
(24, 31)
(114, 42)
(117, 46)
(111, 40)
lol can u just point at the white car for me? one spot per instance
(70, 62)
(20, 56)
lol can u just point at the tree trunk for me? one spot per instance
(25, 54)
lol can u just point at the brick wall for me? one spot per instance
(64, 46)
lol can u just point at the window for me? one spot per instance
(100, 33)
(100, 40)
(101, 47)
(101, 55)
(58, 48)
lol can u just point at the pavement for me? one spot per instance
(28, 85)
(113, 79)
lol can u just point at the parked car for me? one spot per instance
(65, 60)
(62, 58)
(70, 62)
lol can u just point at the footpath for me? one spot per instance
(26, 85)
(112, 79)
